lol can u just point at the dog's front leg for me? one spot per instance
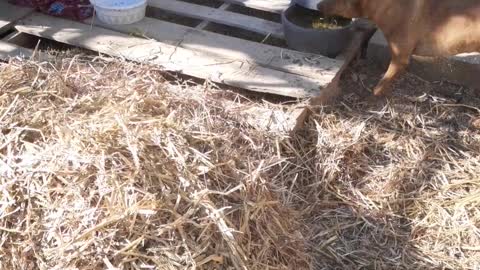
(396, 67)
(400, 53)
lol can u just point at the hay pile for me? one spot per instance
(109, 165)
(104, 165)
(397, 190)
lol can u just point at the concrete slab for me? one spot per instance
(463, 69)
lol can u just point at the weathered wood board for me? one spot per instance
(9, 14)
(208, 55)
(276, 6)
(220, 16)
(217, 45)
(234, 72)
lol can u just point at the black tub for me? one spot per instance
(327, 42)
(310, 4)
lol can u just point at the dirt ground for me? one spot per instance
(409, 89)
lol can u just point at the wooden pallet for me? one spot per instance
(9, 15)
(194, 50)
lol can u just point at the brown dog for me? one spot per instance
(419, 27)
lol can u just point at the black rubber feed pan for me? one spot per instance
(310, 4)
(301, 35)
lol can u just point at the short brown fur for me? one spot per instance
(418, 27)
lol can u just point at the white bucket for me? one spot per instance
(120, 11)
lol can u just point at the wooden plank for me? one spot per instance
(237, 73)
(275, 6)
(310, 65)
(9, 14)
(8, 50)
(220, 16)
(204, 24)
(21, 39)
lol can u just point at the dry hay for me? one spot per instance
(106, 165)
(398, 186)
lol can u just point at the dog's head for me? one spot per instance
(344, 8)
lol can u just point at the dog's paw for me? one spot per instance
(322, 100)
(327, 95)
(380, 91)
